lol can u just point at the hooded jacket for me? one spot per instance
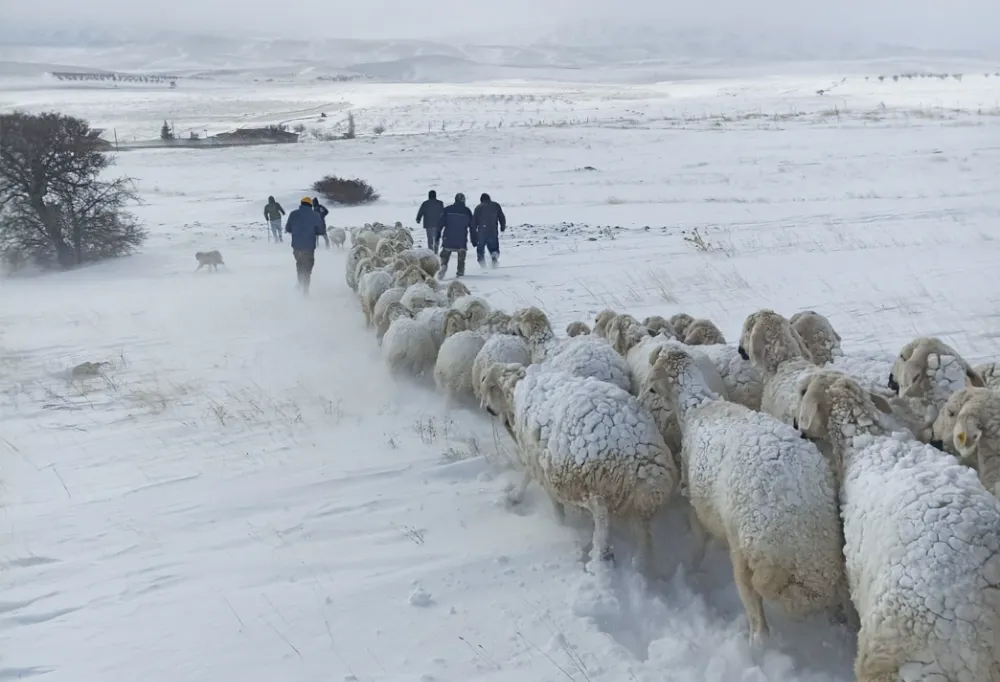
(457, 227)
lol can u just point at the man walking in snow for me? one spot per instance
(322, 210)
(305, 224)
(487, 218)
(272, 214)
(430, 211)
(456, 229)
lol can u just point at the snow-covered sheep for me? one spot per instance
(422, 295)
(601, 322)
(410, 276)
(968, 427)
(680, 322)
(659, 325)
(768, 494)
(779, 354)
(577, 329)
(702, 332)
(501, 349)
(355, 256)
(403, 236)
(583, 356)
(453, 369)
(456, 290)
(931, 370)
(744, 383)
(474, 307)
(633, 342)
(991, 377)
(435, 321)
(818, 334)
(380, 313)
(367, 237)
(922, 543)
(407, 346)
(371, 286)
(338, 236)
(387, 248)
(425, 258)
(587, 443)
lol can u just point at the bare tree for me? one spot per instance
(53, 201)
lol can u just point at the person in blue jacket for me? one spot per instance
(456, 231)
(486, 219)
(319, 208)
(305, 224)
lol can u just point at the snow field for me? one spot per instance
(245, 493)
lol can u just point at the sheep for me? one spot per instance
(476, 308)
(744, 383)
(580, 356)
(453, 369)
(435, 320)
(588, 443)
(425, 258)
(930, 370)
(499, 349)
(968, 426)
(457, 290)
(338, 236)
(922, 543)
(988, 371)
(371, 286)
(755, 484)
(355, 256)
(420, 296)
(680, 322)
(577, 329)
(602, 321)
(380, 317)
(403, 236)
(408, 347)
(779, 354)
(702, 332)
(818, 335)
(659, 325)
(632, 340)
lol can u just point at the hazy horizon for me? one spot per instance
(960, 25)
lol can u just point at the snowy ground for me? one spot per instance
(245, 494)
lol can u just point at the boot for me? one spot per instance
(495, 260)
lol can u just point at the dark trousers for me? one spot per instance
(433, 238)
(487, 243)
(304, 262)
(446, 256)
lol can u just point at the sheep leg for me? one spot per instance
(516, 496)
(699, 539)
(752, 602)
(644, 545)
(602, 532)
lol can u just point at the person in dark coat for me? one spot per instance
(486, 220)
(272, 214)
(322, 210)
(305, 224)
(456, 232)
(430, 212)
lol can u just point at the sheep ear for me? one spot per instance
(757, 345)
(654, 356)
(967, 439)
(880, 403)
(974, 377)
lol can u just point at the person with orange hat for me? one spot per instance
(305, 224)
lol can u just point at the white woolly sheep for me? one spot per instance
(368, 238)
(680, 322)
(338, 236)
(371, 286)
(744, 383)
(587, 443)
(702, 332)
(456, 290)
(988, 371)
(577, 329)
(425, 258)
(435, 321)
(968, 427)
(755, 484)
(818, 334)
(380, 316)
(779, 354)
(922, 543)
(355, 256)
(453, 369)
(504, 349)
(583, 356)
(659, 325)
(602, 321)
(931, 370)
(472, 306)
(422, 295)
(407, 345)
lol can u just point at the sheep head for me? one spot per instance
(386, 248)
(497, 388)
(411, 274)
(624, 332)
(680, 323)
(659, 325)
(531, 323)
(455, 321)
(926, 364)
(477, 312)
(963, 421)
(497, 321)
(574, 329)
(601, 322)
(395, 310)
(768, 340)
(702, 333)
(818, 334)
(457, 290)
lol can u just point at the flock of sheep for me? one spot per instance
(846, 482)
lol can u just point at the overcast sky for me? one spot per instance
(926, 23)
